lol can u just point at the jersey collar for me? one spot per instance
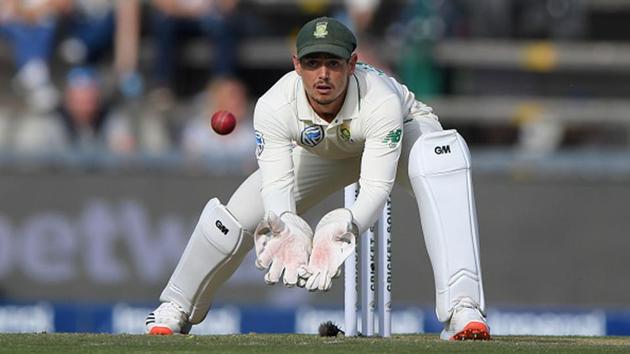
(349, 109)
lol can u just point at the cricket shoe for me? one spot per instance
(169, 318)
(466, 323)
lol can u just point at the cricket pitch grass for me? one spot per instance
(301, 344)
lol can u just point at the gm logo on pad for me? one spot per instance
(439, 150)
(312, 135)
(224, 230)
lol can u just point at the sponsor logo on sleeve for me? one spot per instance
(260, 142)
(393, 138)
(312, 135)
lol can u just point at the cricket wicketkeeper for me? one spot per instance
(330, 122)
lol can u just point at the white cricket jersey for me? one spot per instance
(368, 125)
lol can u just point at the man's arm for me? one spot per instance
(282, 238)
(127, 36)
(379, 162)
(176, 8)
(274, 148)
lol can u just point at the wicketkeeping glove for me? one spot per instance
(283, 245)
(334, 241)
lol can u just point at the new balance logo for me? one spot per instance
(221, 227)
(439, 150)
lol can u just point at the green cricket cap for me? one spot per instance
(325, 35)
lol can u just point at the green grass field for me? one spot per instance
(301, 344)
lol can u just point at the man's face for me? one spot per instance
(325, 77)
(83, 102)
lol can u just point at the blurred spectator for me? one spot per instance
(91, 124)
(486, 19)
(127, 46)
(359, 15)
(558, 19)
(90, 30)
(199, 140)
(30, 27)
(420, 25)
(94, 27)
(176, 20)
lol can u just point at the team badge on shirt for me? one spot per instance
(312, 135)
(344, 133)
(260, 143)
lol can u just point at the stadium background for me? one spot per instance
(539, 89)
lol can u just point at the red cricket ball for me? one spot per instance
(223, 122)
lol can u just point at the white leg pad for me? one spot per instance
(215, 249)
(439, 171)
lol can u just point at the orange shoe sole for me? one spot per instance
(473, 331)
(160, 331)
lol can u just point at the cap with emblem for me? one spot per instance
(325, 35)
